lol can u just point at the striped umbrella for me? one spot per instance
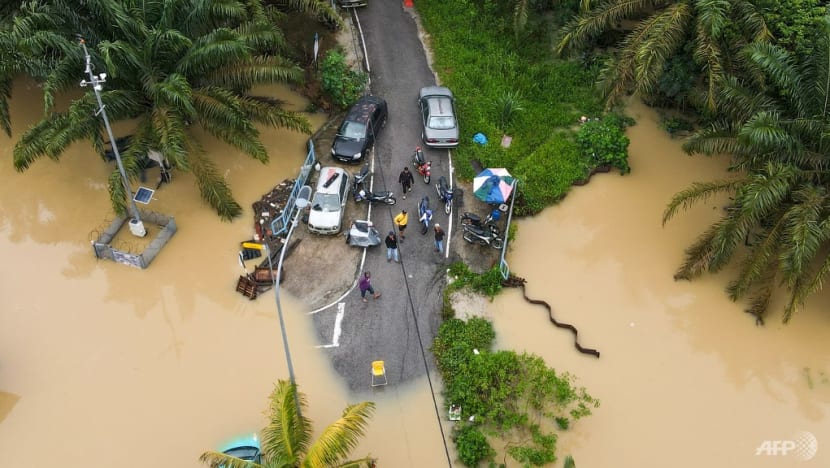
(493, 185)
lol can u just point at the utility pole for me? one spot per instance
(136, 226)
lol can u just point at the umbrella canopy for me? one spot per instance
(493, 185)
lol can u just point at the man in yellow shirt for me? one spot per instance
(401, 221)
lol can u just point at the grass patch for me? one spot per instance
(504, 84)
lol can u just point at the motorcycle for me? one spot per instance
(444, 193)
(360, 177)
(424, 214)
(488, 222)
(386, 196)
(424, 166)
(473, 235)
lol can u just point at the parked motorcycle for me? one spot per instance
(489, 222)
(360, 192)
(360, 177)
(477, 235)
(444, 193)
(386, 196)
(424, 167)
(424, 214)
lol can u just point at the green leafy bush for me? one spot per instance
(342, 84)
(604, 143)
(506, 391)
(472, 445)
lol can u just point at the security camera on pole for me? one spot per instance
(136, 226)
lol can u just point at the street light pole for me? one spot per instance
(136, 226)
(303, 199)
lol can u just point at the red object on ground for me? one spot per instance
(408, 3)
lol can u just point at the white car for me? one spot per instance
(329, 200)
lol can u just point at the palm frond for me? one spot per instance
(752, 20)
(665, 33)
(759, 262)
(803, 232)
(287, 434)
(740, 103)
(581, 30)
(262, 37)
(220, 460)
(213, 188)
(269, 111)
(699, 191)
(520, 12)
(718, 138)
(779, 66)
(698, 255)
(221, 114)
(708, 55)
(212, 52)
(118, 193)
(340, 437)
(243, 75)
(319, 8)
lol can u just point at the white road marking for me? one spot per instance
(338, 320)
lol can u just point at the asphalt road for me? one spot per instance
(397, 328)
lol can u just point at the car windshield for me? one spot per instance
(442, 123)
(353, 130)
(325, 202)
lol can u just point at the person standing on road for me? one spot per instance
(392, 247)
(406, 181)
(439, 238)
(365, 285)
(401, 221)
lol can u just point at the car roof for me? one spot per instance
(363, 108)
(327, 173)
(435, 91)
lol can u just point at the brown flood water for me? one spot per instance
(685, 378)
(150, 368)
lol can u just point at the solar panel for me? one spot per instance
(144, 195)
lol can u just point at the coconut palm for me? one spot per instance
(171, 65)
(780, 204)
(286, 441)
(717, 28)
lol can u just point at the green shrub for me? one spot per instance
(472, 445)
(675, 125)
(540, 452)
(342, 84)
(604, 143)
(508, 105)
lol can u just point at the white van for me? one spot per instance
(329, 201)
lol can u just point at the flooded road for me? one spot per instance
(686, 379)
(150, 368)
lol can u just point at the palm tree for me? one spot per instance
(780, 204)
(286, 441)
(662, 28)
(171, 64)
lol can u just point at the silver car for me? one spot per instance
(440, 126)
(328, 201)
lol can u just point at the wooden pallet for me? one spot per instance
(247, 286)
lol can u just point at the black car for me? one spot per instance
(359, 129)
